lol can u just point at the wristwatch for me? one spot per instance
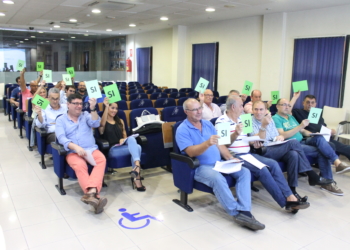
(262, 129)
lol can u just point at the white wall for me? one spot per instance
(161, 41)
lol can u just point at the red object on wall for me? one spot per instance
(130, 52)
(128, 65)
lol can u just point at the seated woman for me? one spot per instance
(112, 130)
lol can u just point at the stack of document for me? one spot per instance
(228, 167)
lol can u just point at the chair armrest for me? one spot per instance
(141, 139)
(41, 131)
(102, 144)
(60, 149)
(28, 118)
(192, 162)
(343, 122)
(20, 111)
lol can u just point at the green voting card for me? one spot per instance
(67, 79)
(42, 102)
(275, 95)
(314, 115)
(201, 85)
(93, 89)
(39, 66)
(20, 65)
(247, 123)
(47, 75)
(71, 71)
(300, 86)
(112, 93)
(223, 130)
(247, 88)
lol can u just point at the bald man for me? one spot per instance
(254, 96)
(210, 109)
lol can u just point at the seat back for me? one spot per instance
(171, 90)
(158, 95)
(137, 113)
(135, 91)
(173, 114)
(333, 116)
(177, 95)
(186, 90)
(123, 96)
(181, 101)
(138, 96)
(193, 94)
(122, 105)
(216, 93)
(164, 102)
(140, 103)
(154, 90)
(222, 99)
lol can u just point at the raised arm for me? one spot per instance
(296, 96)
(22, 82)
(39, 78)
(101, 129)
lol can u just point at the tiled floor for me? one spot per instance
(33, 215)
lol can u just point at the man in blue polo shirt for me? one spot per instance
(197, 138)
(15, 94)
(316, 146)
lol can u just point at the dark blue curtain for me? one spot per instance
(204, 58)
(143, 58)
(320, 61)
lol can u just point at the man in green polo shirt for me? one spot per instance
(315, 146)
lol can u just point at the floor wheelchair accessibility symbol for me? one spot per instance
(130, 218)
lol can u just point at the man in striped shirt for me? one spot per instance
(271, 176)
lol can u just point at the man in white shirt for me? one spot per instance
(210, 109)
(233, 92)
(65, 92)
(47, 118)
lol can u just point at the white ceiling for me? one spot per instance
(144, 13)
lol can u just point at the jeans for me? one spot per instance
(205, 174)
(341, 148)
(318, 147)
(292, 154)
(272, 178)
(130, 147)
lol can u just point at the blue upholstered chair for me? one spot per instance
(173, 114)
(164, 102)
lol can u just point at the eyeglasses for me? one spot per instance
(285, 105)
(208, 95)
(195, 110)
(77, 103)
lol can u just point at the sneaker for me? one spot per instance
(333, 189)
(249, 222)
(342, 168)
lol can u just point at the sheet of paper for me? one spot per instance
(201, 85)
(228, 167)
(20, 65)
(252, 160)
(300, 86)
(275, 95)
(317, 134)
(70, 71)
(47, 75)
(112, 93)
(247, 123)
(133, 135)
(223, 130)
(314, 115)
(247, 88)
(89, 158)
(252, 138)
(327, 133)
(67, 79)
(42, 102)
(274, 143)
(93, 89)
(39, 66)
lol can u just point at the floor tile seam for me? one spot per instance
(24, 236)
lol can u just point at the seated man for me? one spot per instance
(74, 132)
(210, 109)
(315, 146)
(197, 138)
(255, 96)
(82, 90)
(65, 92)
(271, 176)
(47, 118)
(301, 114)
(232, 92)
(15, 93)
(291, 152)
(26, 93)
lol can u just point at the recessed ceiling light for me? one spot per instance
(119, 33)
(42, 42)
(108, 30)
(210, 9)
(132, 25)
(40, 32)
(16, 43)
(164, 18)
(62, 38)
(2, 14)
(57, 26)
(96, 11)
(47, 41)
(26, 39)
(54, 40)
(72, 20)
(8, 1)
(73, 37)
(21, 41)
(86, 34)
(32, 36)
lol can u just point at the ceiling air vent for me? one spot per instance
(111, 5)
